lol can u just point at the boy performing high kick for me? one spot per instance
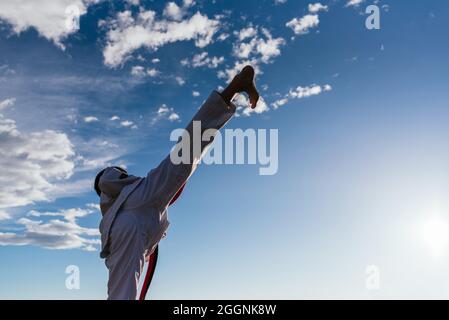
(134, 209)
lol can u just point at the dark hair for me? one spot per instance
(99, 174)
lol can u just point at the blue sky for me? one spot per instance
(363, 160)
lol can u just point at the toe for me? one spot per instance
(253, 95)
(253, 98)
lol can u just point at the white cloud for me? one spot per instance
(175, 12)
(139, 71)
(245, 33)
(305, 92)
(280, 1)
(48, 17)
(172, 11)
(269, 47)
(155, 60)
(73, 188)
(128, 33)
(316, 7)
(92, 162)
(114, 118)
(165, 112)
(243, 106)
(195, 94)
(259, 49)
(203, 59)
(31, 164)
(56, 233)
(180, 81)
(90, 119)
(223, 37)
(95, 153)
(263, 47)
(152, 72)
(185, 62)
(173, 117)
(163, 109)
(303, 25)
(95, 206)
(301, 92)
(279, 103)
(133, 2)
(7, 103)
(354, 3)
(188, 3)
(4, 215)
(126, 123)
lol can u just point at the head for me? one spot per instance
(123, 175)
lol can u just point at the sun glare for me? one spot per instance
(435, 233)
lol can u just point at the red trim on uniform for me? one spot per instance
(177, 195)
(149, 275)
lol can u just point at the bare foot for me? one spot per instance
(244, 82)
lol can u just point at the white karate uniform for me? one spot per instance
(135, 209)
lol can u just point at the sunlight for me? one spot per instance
(435, 233)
